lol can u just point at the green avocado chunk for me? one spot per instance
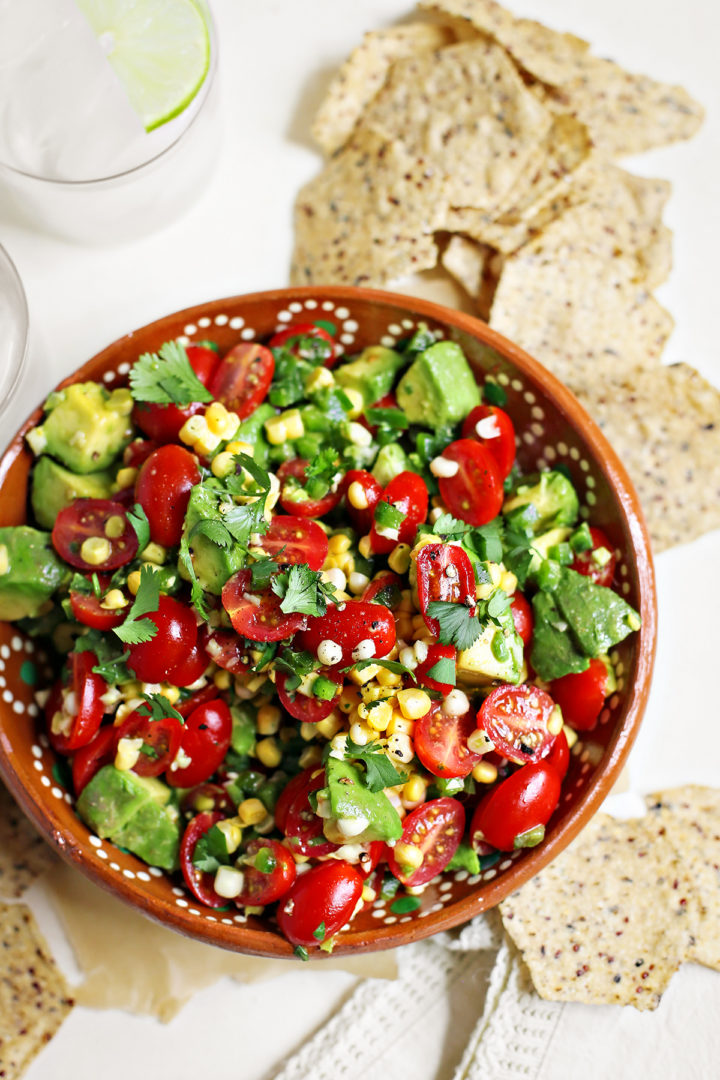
(372, 374)
(85, 427)
(135, 812)
(30, 571)
(496, 656)
(465, 858)
(390, 462)
(439, 388)
(252, 431)
(351, 800)
(554, 653)
(213, 564)
(542, 502)
(54, 488)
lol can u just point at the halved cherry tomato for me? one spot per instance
(522, 617)
(80, 704)
(265, 887)
(514, 814)
(163, 490)
(303, 827)
(348, 624)
(288, 795)
(199, 882)
(196, 799)
(88, 610)
(436, 828)
(435, 653)
(559, 756)
(515, 719)
(200, 697)
(293, 499)
(155, 660)
(293, 540)
(475, 493)
(408, 493)
(375, 852)
(327, 894)
(441, 742)
(229, 651)
(258, 615)
(242, 378)
(86, 518)
(493, 428)
(163, 422)
(361, 516)
(191, 667)
(309, 710)
(581, 696)
(384, 589)
(205, 739)
(585, 564)
(161, 741)
(444, 572)
(319, 351)
(138, 451)
(90, 758)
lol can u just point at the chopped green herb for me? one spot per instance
(319, 932)
(301, 952)
(387, 516)
(494, 394)
(139, 521)
(211, 851)
(380, 771)
(450, 528)
(405, 904)
(166, 378)
(157, 707)
(459, 625)
(303, 590)
(147, 600)
(390, 665)
(262, 571)
(443, 671)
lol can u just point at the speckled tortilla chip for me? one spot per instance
(466, 261)
(368, 217)
(603, 923)
(363, 74)
(34, 997)
(23, 854)
(467, 114)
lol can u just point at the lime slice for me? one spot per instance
(159, 49)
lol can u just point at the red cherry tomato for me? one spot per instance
(293, 540)
(559, 756)
(199, 882)
(435, 653)
(436, 828)
(522, 617)
(581, 696)
(309, 710)
(493, 428)
(361, 517)
(303, 827)
(265, 887)
(242, 378)
(80, 704)
(409, 494)
(201, 697)
(163, 422)
(196, 799)
(349, 624)
(89, 611)
(520, 805)
(205, 739)
(86, 518)
(191, 667)
(257, 615)
(326, 894)
(138, 451)
(163, 490)
(154, 660)
(161, 741)
(515, 719)
(288, 795)
(229, 651)
(584, 563)
(319, 351)
(441, 743)
(444, 572)
(90, 758)
(293, 500)
(475, 493)
(384, 589)
(375, 852)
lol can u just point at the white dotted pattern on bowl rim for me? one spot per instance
(549, 454)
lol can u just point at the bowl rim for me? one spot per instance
(487, 894)
(16, 374)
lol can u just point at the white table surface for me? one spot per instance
(276, 58)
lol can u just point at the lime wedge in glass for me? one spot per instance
(159, 49)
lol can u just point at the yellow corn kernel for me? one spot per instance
(231, 828)
(293, 423)
(237, 446)
(268, 719)
(479, 742)
(125, 478)
(307, 732)
(276, 431)
(95, 550)
(333, 575)
(379, 716)
(349, 699)
(368, 894)
(364, 547)
(216, 417)
(207, 443)
(222, 679)
(413, 703)
(485, 772)
(346, 563)
(154, 553)
(414, 789)
(193, 428)
(130, 689)
(201, 803)
(364, 675)
(357, 496)
(330, 726)
(357, 583)
(408, 855)
(406, 601)
(223, 465)
(400, 747)
(121, 401)
(127, 754)
(388, 678)
(404, 627)
(400, 725)
(571, 736)
(311, 755)
(320, 378)
(268, 752)
(170, 693)
(133, 582)
(372, 691)
(399, 558)
(555, 723)
(356, 400)
(508, 582)
(339, 543)
(362, 733)
(114, 600)
(251, 811)
(114, 527)
(425, 539)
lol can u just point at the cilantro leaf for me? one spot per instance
(166, 378)
(215, 531)
(325, 466)
(459, 626)
(380, 771)
(262, 571)
(157, 707)
(196, 590)
(390, 665)
(296, 665)
(486, 541)
(80, 584)
(211, 851)
(449, 527)
(387, 516)
(147, 599)
(139, 521)
(303, 590)
(110, 666)
(443, 671)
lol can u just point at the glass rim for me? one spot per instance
(25, 317)
(204, 90)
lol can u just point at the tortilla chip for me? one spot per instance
(467, 114)
(368, 217)
(466, 261)
(34, 997)
(602, 923)
(364, 73)
(23, 854)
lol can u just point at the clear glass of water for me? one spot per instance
(14, 325)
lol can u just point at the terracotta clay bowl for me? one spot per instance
(553, 430)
